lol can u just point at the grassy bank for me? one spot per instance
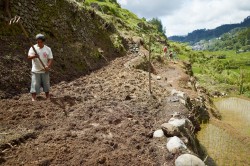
(223, 71)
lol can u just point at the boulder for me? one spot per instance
(188, 160)
(175, 145)
(179, 123)
(170, 130)
(158, 133)
(181, 95)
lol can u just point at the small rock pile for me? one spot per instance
(134, 44)
(178, 129)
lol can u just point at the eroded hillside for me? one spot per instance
(107, 117)
(81, 37)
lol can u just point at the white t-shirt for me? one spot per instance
(44, 53)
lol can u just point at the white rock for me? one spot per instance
(182, 95)
(188, 160)
(182, 101)
(158, 133)
(174, 92)
(189, 84)
(170, 130)
(177, 122)
(175, 145)
(158, 77)
(175, 114)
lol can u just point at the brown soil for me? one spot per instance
(105, 118)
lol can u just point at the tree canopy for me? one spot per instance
(157, 22)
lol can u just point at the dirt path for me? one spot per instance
(174, 77)
(106, 118)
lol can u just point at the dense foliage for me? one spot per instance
(157, 22)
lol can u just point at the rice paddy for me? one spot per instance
(227, 141)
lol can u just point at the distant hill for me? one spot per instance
(237, 39)
(207, 34)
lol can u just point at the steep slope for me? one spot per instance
(82, 38)
(207, 34)
(74, 34)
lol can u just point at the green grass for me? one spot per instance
(127, 23)
(111, 9)
(196, 69)
(222, 74)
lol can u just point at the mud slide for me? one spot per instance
(107, 117)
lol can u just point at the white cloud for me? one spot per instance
(183, 16)
(151, 8)
(123, 2)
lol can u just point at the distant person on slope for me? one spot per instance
(39, 75)
(171, 55)
(165, 50)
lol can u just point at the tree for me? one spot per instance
(157, 22)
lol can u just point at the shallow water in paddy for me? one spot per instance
(227, 141)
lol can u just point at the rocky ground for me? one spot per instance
(107, 117)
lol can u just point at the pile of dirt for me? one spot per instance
(107, 117)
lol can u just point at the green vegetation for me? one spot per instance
(224, 71)
(157, 22)
(238, 39)
(128, 25)
(109, 9)
(225, 65)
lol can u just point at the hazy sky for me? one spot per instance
(183, 16)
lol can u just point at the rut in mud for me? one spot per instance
(107, 117)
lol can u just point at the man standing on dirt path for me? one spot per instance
(39, 75)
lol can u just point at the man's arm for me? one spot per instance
(32, 54)
(30, 57)
(50, 63)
